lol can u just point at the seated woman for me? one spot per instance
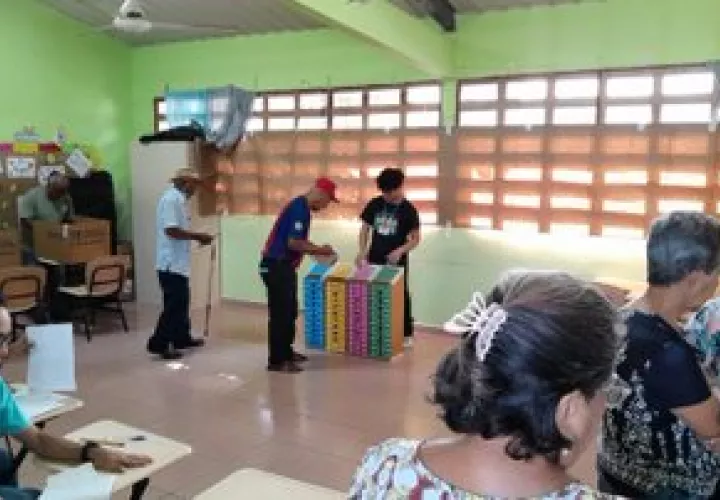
(524, 392)
(657, 444)
(704, 334)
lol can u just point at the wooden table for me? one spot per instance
(162, 450)
(252, 483)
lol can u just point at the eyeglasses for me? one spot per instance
(616, 390)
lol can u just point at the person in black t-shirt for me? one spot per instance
(390, 231)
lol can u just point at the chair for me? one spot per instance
(104, 282)
(23, 288)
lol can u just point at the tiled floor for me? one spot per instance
(314, 426)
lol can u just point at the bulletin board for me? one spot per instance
(24, 165)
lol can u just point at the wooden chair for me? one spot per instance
(104, 282)
(23, 288)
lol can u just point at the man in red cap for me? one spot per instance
(284, 250)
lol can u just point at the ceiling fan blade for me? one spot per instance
(185, 27)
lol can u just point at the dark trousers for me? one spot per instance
(280, 278)
(173, 326)
(409, 321)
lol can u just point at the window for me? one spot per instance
(599, 153)
(589, 153)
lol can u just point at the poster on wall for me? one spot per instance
(19, 167)
(79, 163)
(46, 170)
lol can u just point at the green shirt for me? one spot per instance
(35, 205)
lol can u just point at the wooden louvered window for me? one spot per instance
(599, 153)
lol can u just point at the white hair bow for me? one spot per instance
(481, 319)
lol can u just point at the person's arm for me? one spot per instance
(172, 215)
(412, 241)
(364, 242)
(26, 211)
(309, 248)
(60, 449)
(676, 381)
(703, 418)
(298, 236)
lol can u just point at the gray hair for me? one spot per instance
(681, 243)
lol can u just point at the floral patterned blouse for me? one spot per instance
(704, 334)
(392, 471)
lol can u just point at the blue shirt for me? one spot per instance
(12, 419)
(172, 255)
(293, 222)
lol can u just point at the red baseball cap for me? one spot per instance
(328, 187)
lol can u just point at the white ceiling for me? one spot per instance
(240, 17)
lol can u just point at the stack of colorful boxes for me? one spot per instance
(359, 309)
(363, 310)
(387, 307)
(336, 308)
(315, 306)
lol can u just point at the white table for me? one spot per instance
(162, 450)
(66, 405)
(253, 483)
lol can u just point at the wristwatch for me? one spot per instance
(85, 452)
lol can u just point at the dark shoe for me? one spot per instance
(286, 367)
(299, 358)
(171, 355)
(191, 343)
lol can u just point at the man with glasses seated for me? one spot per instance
(16, 425)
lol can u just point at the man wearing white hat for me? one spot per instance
(172, 333)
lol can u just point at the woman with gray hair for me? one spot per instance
(523, 392)
(658, 443)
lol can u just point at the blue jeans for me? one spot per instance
(11, 491)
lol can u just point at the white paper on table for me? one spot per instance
(79, 483)
(34, 404)
(51, 364)
(79, 163)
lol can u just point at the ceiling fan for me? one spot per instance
(133, 19)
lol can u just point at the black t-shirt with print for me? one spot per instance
(391, 225)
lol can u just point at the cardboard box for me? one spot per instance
(79, 242)
(9, 248)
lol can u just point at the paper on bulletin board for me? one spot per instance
(20, 167)
(79, 163)
(46, 170)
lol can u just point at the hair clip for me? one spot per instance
(478, 318)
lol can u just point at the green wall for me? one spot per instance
(58, 72)
(450, 262)
(594, 34)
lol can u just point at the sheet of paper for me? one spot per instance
(19, 167)
(51, 364)
(79, 483)
(79, 163)
(35, 404)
